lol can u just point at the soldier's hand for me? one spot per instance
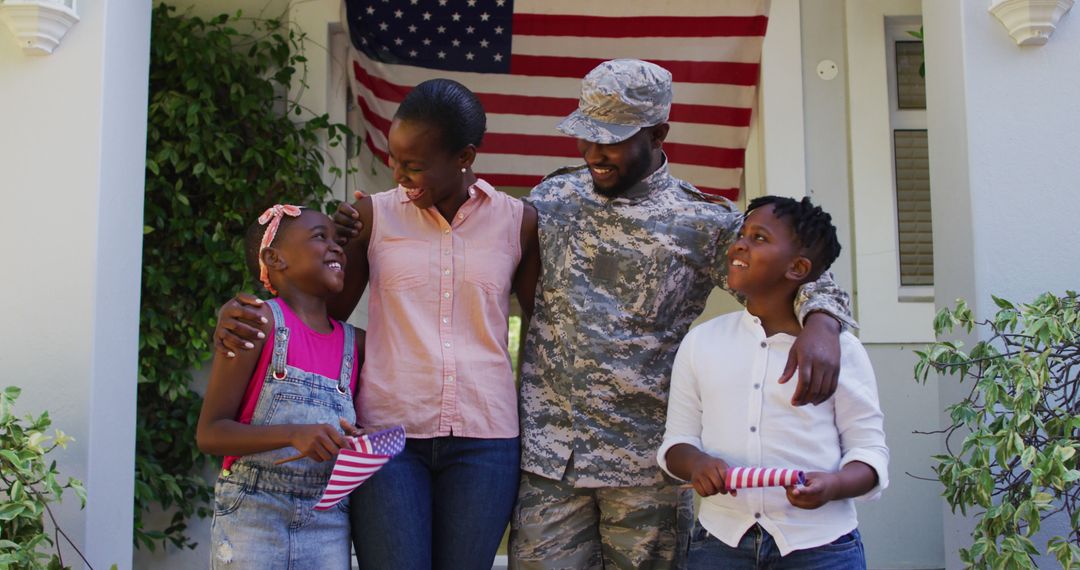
(816, 356)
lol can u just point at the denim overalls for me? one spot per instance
(263, 517)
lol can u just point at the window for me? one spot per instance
(911, 164)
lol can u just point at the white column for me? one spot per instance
(72, 156)
(1004, 123)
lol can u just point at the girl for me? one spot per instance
(442, 252)
(274, 411)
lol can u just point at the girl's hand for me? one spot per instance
(347, 220)
(708, 475)
(320, 442)
(818, 490)
(241, 322)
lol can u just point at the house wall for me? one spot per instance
(72, 158)
(1003, 167)
(902, 529)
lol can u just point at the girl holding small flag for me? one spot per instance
(275, 411)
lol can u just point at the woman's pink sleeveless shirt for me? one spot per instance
(436, 356)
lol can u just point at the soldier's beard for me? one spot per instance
(636, 170)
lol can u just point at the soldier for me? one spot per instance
(630, 255)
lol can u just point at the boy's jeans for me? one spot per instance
(758, 550)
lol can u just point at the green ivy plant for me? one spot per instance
(1017, 462)
(29, 482)
(224, 142)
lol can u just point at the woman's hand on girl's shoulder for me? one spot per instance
(243, 323)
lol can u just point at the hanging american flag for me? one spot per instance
(525, 60)
(744, 477)
(354, 466)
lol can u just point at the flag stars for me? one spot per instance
(414, 2)
(398, 41)
(470, 30)
(427, 41)
(442, 55)
(456, 42)
(412, 28)
(485, 17)
(472, 3)
(398, 14)
(498, 30)
(384, 26)
(500, 3)
(370, 10)
(456, 17)
(426, 15)
(498, 57)
(483, 43)
(441, 29)
(412, 53)
(442, 2)
(469, 56)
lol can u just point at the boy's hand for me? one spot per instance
(708, 476)
(816, 355)
(817, 491)
(239, 323)
(347, 220)
(320, 442)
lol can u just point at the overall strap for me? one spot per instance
(281, 341)
(348, 357)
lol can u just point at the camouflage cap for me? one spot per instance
(618, 98)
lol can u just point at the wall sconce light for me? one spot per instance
(38, 25)
(1030, 22)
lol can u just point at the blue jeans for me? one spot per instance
(757, 550)
(443, 503)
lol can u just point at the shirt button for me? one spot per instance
(446, 294)
(756, 386)
(446, 231)
(763, 345)
(446, 320)
(757, 515)
(447, 252)
(446, 344)
(461, 216)
(753, 428)
(446, 271)
(449, 378)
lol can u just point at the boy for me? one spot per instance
(726, 410)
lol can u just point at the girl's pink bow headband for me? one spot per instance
(273, 215)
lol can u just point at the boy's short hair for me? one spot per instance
(812, 227)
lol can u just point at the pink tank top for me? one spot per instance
(308, 350)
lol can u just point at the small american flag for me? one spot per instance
(525, 59)
(354, 466)
(745, 477)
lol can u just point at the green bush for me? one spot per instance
(222, 146)
(28, 484)
(1017, 462)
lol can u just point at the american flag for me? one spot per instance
(744, 477)
(525, 60)
(354, 466)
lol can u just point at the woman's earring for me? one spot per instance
(463, 171)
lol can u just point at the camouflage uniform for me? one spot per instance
(622, 281)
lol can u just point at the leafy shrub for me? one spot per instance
(1017, 463)
(28, 484)
(221, 147)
